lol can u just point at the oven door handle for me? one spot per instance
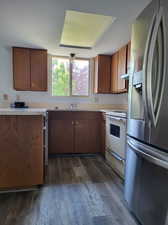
(115, 155)
(116, 118)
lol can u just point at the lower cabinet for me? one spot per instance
(103, 133)
(60, 135)
(21, 151)
(87, 136)
(74, 132)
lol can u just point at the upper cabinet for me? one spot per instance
(102, 74)
(21, 69)
(108, 71)
(29, 69)
(38, 62)
(122, 84)
(129, 57)
(114, 73)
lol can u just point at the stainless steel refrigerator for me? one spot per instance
(146, 183)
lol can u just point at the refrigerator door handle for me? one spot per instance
(150, 33)
(138, 148)
(154, 102)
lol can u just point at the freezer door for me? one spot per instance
(132, 180)
(158, 81)
(146, 186)
(142, 33)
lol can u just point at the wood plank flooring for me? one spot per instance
(78, 191)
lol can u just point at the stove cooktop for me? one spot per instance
(117, 113)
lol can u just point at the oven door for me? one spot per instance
(116, 135)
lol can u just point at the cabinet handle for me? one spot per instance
(72, 122)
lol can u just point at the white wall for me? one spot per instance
(6, 87)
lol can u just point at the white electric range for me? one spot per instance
(116, 123)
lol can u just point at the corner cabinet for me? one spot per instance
(108, 71)
(29, 69)
(74, 132)
(22, 154)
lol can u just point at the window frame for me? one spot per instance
(70, 79)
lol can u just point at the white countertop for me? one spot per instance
(27, 111)
(42, 111)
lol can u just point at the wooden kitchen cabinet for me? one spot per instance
(103, 134)
(61, 134)
(128, 57)
(74, 132)
(102, 74)
(108, 71)
(29, 69)
(21, 69)
(21, 155)
(122, 60)
(119, 66)
(114, 73)
(122, 69)
(87, 136)
(38, 62)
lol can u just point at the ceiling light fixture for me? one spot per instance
(72, 55)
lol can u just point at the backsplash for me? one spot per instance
(78, 106)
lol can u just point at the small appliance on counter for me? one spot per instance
(19, 105)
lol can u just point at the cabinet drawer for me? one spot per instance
(117, 165)
(73, 115)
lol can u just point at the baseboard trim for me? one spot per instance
(89, 155)
(19, 190)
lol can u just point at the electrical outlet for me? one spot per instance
(18, 98)
(5, 97)
(96, 99)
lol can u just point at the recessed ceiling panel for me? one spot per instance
(83, 29)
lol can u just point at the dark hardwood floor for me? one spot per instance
(79, 191)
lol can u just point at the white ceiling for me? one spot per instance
(39, 23)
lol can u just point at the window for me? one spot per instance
(70, 77)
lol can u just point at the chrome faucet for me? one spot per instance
(73, 106)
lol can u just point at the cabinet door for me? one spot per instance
(21, 152)
(21, 69)
(122, 63)
(38, 61)
(128, 57)
(61, 136)
(103, 134)
(87, 136)
(102, 74)
(114, 73)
